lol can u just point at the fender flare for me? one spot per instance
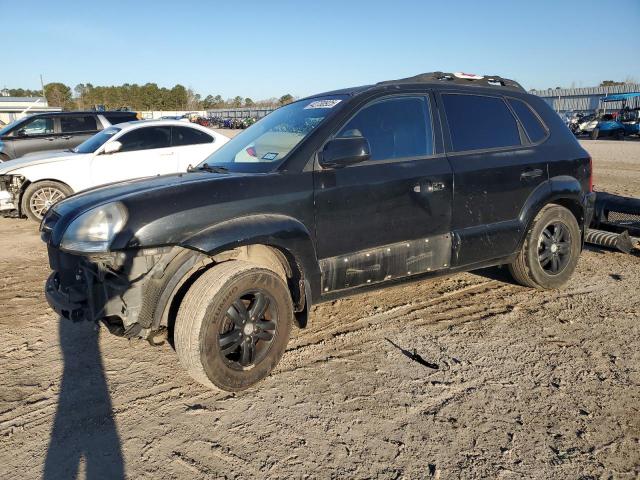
(285, 233)
(562, 189)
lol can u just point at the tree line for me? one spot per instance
(139, 97)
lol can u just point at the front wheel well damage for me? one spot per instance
(191, 265)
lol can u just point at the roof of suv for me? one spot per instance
(85, 112)
(438, 78)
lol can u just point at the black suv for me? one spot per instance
(55, 131)
(353, 189)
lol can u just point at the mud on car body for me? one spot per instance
(323, 198)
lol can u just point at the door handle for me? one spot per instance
(531, 173)
(429, 187)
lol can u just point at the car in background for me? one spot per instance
(55, 131)
(29, 186)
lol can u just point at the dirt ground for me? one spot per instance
(517, 383)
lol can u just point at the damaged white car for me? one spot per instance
(30, 185)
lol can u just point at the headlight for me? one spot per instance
(94, 230)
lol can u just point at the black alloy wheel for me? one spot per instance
(248, 330)
(554, 248)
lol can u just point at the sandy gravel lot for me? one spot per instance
(523, 384)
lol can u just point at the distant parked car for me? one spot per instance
(31, 185)
(55, 131)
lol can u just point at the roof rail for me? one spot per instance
(460, 79)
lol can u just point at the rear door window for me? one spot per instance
(146, 138)
(80, 123)
(536, 131)
(479, 122)
(397, 127)
(182, 136)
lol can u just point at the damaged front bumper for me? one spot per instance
(110, 288)
(10, 189)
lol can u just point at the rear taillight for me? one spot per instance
(590, 174)
(251, 151)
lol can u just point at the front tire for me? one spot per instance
(233, 325)
(41, 196)
(550, 251)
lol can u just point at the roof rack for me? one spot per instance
(460, 79)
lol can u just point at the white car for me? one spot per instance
(31, 185)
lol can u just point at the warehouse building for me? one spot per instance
(584, 100)
(12, 108)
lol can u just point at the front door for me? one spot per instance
(495, 170)
(389, 216)
(35, 135)
(145, 152)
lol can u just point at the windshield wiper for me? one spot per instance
(209, 168)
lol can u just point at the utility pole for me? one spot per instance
(42, 85)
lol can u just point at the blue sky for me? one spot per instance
(262, 49)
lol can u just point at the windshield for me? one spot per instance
(91, 144)
(264, 145)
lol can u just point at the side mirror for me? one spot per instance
(340, 152)
(112, 147)
(20, 133)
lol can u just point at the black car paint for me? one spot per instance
(323, 219)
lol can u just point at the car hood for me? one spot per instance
(148, 199)
(37, 159)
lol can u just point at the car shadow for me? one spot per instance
(84, 430)
(496, 273)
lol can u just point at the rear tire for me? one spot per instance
(40, 196)
(212, 333)
(595, 133)
(620, 135)
(550, 251)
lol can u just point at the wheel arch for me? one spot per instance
(283, 245)
(562, 190)
(27, 183)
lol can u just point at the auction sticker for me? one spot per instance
(269, 156)
(323, 104)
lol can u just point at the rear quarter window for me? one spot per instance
(536, 131)
(479, 122)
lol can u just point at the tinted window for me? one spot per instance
(395, 128)
(146, 139)
(78, 124)
(532, 125)
(120, 118)
(189, 136)
(35, 126)
(477, 122)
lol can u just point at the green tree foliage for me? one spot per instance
(58, 95)
(85, 96)
(285, 99)
(610, 83)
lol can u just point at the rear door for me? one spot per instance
(75, 129)
(390, 216)
(495, 169)
(145, 152)
(191, 146)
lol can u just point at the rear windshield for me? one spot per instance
(264, 145)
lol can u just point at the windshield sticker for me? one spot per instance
(269, 156)
(323, 104)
